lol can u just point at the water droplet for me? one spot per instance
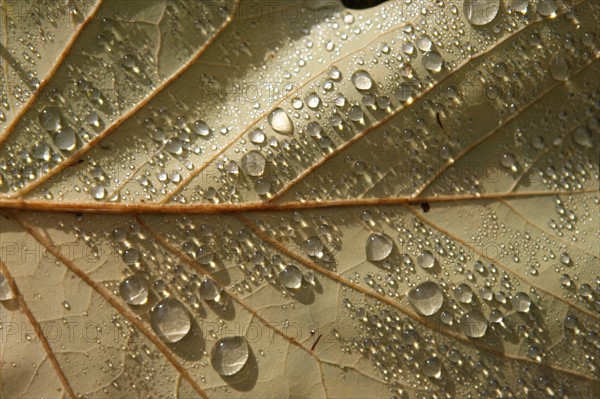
(290, 277)
(355, 113)
(426, 260)
(313, 129)
(481, 12)
(508, 160)
(229, 355)
(424, 43)
(253, 163)
(362, 80)
(49, 119)
(473, 324)
(170, 320)
(201, 128)
(463, 293)
(174, 146)
(210, 291)
(583, 137)
(427, 298)
(570, 322)
(521, 302)
(314, 247)
(6, 293)
(98, 192)
(432, 367)
(519, 6)
(205, 255)
(257, 136)
(65, 139)
(433, 61)
(559, 69)
(379, 247)
(41, 151)
(547, 8)
(312, 100)
(281, 122)
(131, 256)
(134, 290)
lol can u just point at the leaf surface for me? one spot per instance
(313, 164)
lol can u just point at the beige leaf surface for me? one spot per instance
(296, 199)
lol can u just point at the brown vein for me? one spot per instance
(156, 208)
(38, 329)
(504, 267)
(11, 127)
(395, 305)
(71, 160)
(108, 297)
(392, 114)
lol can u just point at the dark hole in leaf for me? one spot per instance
(361, 4)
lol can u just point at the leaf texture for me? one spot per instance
(292, 173)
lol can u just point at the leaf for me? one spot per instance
(293, 172)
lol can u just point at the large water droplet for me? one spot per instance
(427, 298)
(134, 290)
(49, 119)
(170, 320)
(290, 277)
(281, 122)
(253, 163)
(229, 355)
(379, 247)
(481, 12)
(473, 324)
(362, 80)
